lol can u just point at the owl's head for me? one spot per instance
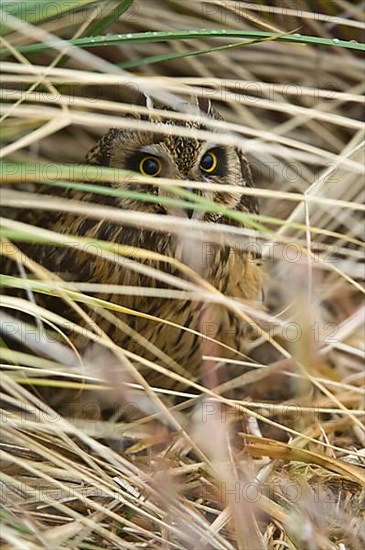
(177, 157)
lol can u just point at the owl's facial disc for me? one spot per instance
(160, 154)
(175, 158)
(205, 162)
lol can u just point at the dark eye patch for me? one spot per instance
(139, 158)
(213, 162)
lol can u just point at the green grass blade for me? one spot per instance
(171, 57)
(107, 20)
(39, 11)
(165, 36)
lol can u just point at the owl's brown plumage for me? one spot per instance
(235, 274)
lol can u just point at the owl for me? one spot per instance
(173, 332)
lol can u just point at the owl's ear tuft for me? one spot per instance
(144, 100)
(148, 101)
(204, 105)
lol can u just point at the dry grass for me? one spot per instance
(281, 465)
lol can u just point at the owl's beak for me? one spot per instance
(189, 211)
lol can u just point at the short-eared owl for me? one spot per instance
(160, 326)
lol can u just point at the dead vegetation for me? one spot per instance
(280, 462)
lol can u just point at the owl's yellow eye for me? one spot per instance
(209, 162)
(150, 166)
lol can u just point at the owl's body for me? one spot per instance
(175, 343)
